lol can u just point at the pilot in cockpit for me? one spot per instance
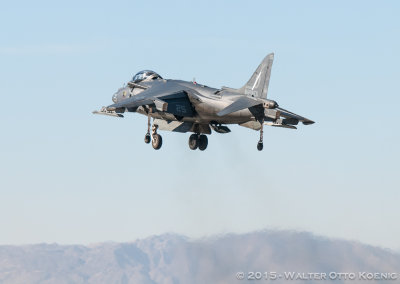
(131, 90)
(145, 75)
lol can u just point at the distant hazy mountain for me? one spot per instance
(176, 259)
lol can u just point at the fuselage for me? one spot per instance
(206, 101)
(182, 106)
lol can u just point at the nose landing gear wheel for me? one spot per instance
(147, 138)
(193, 141)
(203, 142)
(157, 141)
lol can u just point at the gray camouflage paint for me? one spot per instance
(184, 106)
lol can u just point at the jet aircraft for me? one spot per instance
(184, 106)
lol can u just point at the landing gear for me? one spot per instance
(157, 141)
(198, 141)
(193, 141)
(260, 144)
(203, 142)
(147, 137)
(156, 138)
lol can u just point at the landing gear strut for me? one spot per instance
(156, 139)
(260, 144)
(147, 137)
(198, 141)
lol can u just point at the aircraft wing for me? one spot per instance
(130, 103)
(165, 96)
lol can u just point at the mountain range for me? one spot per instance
(173, 259)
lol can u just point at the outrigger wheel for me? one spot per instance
(260, 146)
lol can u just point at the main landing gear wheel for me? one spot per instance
(157, 141)
(203, 142)
(193, 141)
(147, 138)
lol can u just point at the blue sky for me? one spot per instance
(68, 176)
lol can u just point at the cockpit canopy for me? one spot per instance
(145, 75)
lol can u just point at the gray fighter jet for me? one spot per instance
(183, 106)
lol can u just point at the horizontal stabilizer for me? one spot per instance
(308, 122)
(239, 104)
(288, 114)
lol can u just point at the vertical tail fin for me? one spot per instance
(257, 86)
